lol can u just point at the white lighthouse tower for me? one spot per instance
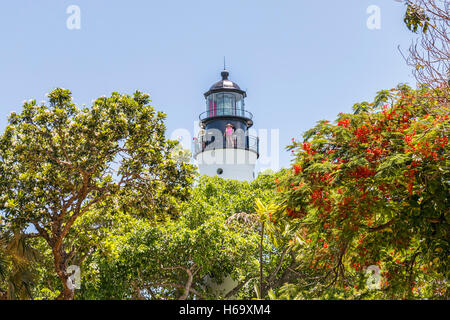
(224, 147)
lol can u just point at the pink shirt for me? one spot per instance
(229, 131)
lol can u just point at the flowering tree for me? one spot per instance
(373, 190)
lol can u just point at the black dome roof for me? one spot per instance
(225, 85)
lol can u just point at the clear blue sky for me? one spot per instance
(300, 61)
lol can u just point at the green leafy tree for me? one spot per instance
(215, 238)
(172, 260)
(58, 162)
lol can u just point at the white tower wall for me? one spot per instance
(236, 164)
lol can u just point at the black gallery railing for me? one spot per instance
(235, 141)
(225, 112)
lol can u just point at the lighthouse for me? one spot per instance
(224, 146)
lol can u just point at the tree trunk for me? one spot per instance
(60, 266)
(261, 262)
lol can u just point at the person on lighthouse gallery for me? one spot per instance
(196, 145)
(201, 137)
(229, 135)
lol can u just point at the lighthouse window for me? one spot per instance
(239, 105)
(220, 99)
(219, 171)
(225, 104)
(229, 104)
(212, 106)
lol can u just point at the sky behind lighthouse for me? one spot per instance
(300, 61)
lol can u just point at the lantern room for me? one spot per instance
(225, 107)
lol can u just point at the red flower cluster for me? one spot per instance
(294, 214)
(442, 141)
(426, 150)
(316, 195)
(344, 123)
(362, 172)
(357, 266)
(297, 168)
(326, 177)
(307, 147)
(374, 153)
(270, 217)
(361, 133)
(408, 140)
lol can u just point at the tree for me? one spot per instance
(214, 238)
(373, 190)
(172, 260)
(429, 56)
(58, 162)
(16, 258)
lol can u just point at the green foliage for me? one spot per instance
(416, 17)
(214, 238)
(58, 161)
(16, 261)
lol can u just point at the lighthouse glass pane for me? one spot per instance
(211, 106)
(219, 98)
(239, 105)
(229, 104)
